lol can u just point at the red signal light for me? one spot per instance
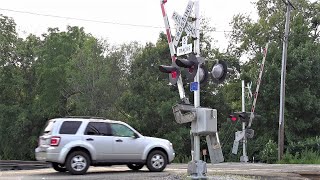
(233, 118)
(174, 74)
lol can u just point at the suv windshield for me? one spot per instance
(48, 127)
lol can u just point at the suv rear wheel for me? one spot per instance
(157, 161)
(59, 167)
(78, 162)
(135, 167)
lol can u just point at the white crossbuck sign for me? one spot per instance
(189, 28)
(183, 24)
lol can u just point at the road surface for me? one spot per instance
(223, 171)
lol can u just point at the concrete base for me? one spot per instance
(244, 159)
(197, 169)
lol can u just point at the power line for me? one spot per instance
(91, 20)
(80, 19)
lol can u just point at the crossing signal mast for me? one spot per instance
(203, 120)
(247, 117)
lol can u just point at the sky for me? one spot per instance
(111, 13)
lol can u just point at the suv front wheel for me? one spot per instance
(78, 162)
(157, 161)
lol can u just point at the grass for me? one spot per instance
(305, 157)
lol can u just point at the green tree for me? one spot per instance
(302, 101)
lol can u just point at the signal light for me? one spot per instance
(173, 71)
(242, 116)
(192, 63)
(219, 72)
(234, 117)
(203, 71)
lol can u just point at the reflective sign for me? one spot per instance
(194, 86)
(185, 48)
(189, 28)
(182, 23)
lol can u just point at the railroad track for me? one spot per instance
(6, 165)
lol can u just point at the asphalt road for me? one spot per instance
(229, 171)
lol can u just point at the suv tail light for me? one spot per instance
(55, 140)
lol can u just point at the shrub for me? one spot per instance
(269, 152)
(307, 156)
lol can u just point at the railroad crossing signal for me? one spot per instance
(201, 122)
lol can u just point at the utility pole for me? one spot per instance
(283, 81)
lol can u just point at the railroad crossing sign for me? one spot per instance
(185, 48)
(189, 28)
(181, 22)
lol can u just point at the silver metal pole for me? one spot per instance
(243, 96)
(244, 157)
(283, 80)
(197, 166)
(197, 79)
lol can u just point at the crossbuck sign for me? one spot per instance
(183, 24)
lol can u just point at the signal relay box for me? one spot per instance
(206, 121)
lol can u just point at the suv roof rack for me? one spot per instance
(89, 117)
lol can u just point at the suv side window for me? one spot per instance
(121, 130)
(70, 127)
(98, 129)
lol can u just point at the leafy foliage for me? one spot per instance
(269, 153)
(305, 157)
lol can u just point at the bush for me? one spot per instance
(269, 152)
(307, 156)
(309, 143)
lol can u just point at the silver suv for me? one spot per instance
(73, 144)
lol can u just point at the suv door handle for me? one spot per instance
(90, 139)
(118, 140)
